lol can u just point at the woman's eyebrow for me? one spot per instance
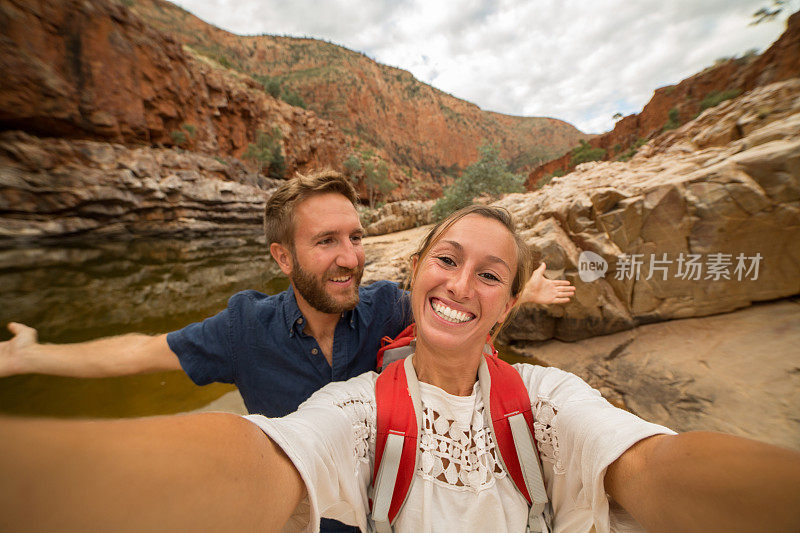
(490, 258)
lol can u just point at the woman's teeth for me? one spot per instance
(451, 315)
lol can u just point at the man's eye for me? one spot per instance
(356, 238)
(325, 241)
(446, 260)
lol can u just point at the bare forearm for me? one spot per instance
(195, 472)
(702, 481)
(112, 356)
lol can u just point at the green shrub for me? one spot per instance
(585, 153)
(617, 148)
(376, 179)
(487, 176)
(271, 85)
(715, 98)
(190, 129)
(178, 137)
(292, 98)
(352, 165)
(267, 154)
(673, 120)
(631, 151)
(220, 160)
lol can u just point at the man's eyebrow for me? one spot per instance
(490, 258)
(332, 233)
(321, 234)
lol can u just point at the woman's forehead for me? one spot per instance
(478, 234)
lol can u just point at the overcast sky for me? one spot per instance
(579, 61)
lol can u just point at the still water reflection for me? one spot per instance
(88, 290)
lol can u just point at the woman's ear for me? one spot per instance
(282, 256)
(414, 263)
(509, 306)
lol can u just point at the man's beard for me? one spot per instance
(313, 289)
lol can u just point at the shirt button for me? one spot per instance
(314, 351)
(299, 320)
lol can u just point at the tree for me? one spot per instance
(376, 179)
(489, 176)
(765, 14)
(585, 152)
(617, 116)
(267, 154)
(352, 166)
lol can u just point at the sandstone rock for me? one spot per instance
(734, 205)
(88, 187)
(90, 69)
(398, 216)
(736, 372)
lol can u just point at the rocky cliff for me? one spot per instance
(704, 220)
(677, 104)
(408, 123)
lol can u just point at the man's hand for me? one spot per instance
(540, 290)
(123, 355)
(13, 350)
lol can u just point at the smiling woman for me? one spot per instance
(217, 471)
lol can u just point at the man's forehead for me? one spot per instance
(326, 213)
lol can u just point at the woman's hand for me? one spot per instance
(540, 290)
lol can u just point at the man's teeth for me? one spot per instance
(449, 314)
(341, 280)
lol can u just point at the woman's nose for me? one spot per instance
(460, 285)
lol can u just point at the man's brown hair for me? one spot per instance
(279, 211)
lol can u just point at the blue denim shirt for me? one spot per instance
(259, 343)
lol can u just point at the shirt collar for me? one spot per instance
(291, 312)
(295, 321)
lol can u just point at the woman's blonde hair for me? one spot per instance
(524, 256)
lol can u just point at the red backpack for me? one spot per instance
(399, 417)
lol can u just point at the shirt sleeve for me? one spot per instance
(580, 434)
(203, 348)
(328, 439)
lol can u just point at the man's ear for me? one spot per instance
(282, 256)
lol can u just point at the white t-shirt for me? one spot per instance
(460, 485)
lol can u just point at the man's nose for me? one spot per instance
(348, 256)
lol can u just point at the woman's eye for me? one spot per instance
(490, 276)
(446, 260)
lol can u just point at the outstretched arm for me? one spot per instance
(112, 356)
(540, 290)
(704, 481)
(206, 472)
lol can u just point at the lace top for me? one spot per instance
(460, 484)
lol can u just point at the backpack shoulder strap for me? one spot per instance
(508, 405)
(392, 350)
(398, 419)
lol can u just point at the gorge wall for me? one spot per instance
(781, 61)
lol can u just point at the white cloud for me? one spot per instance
(577, 61)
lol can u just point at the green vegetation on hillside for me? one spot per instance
(585, 153)
(489, 176)
(266, 153)
(673, 120)
(715, 98)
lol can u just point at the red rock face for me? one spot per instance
(780, 62)
(92, 70)
(404, 121)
